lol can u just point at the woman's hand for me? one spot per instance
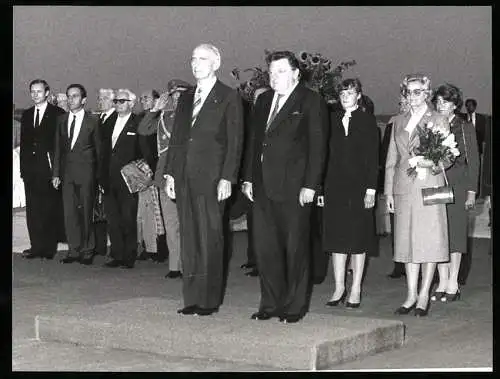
(389, 201)
(425, 163)
(470, 202)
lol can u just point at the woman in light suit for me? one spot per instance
(420, 232)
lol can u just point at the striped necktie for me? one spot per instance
(196, 106)
(275, 110)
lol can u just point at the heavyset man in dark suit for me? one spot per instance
(282, 172)
(38, 126)
(203, 160)
(76, 164)
(120, 147)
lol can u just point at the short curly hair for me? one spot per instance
(420, 78)
(449, 92)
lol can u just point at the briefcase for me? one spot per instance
(137, 175)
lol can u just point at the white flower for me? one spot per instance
(449, 141)
(455, 151)
(413, 161)
(430, 124)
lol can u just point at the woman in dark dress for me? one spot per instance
(462, 176)
(349, 191)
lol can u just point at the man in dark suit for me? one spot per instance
(203, 161)
(107, 119)
(120, 147)
(283, 170)
(38, 126)
(77, 157)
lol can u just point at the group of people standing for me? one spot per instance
(289, 154)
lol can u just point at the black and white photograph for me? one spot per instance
(252, 188)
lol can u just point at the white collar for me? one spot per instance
(108, 112)
(206, 85)
(290, 90)
(78, 114)
(42, 107)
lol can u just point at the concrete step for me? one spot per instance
(152, 325)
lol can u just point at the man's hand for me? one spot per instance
(247, 189)
(369, 200)
(56, 182)
(170, 187)
(306, 196)
(223, 190)
(470, 202)
(389, 201)
(161, 102)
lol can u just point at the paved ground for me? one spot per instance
(455, 335)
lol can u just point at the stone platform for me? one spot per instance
(152, 325)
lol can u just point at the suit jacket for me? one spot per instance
(291, 153)
(209, 150)
(82, 161)
(126, 150)
(397, 181)
(37, 143)
(481, 127)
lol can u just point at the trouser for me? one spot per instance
(146, 228)
(171, 221)
(282, 248)
(42, 215)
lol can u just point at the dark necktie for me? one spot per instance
(37, 118)
(71, 130)
(275, 110)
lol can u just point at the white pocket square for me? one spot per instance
(296, 113)
(130, 134)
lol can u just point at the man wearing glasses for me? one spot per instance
(121, 147)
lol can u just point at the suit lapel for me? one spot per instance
(83, 129)
(123, 132)
(285, 109)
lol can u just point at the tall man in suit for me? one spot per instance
(38, 126)
(107, 119)
(283, 170)
(203, 160)
(76, 164)
(121, 146)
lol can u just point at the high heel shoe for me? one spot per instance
(447, 297)
(348, 304)
(437, 295)
(419, 312)
(334, 303)
(402, 310)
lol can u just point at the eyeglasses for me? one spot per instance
(348, 93)
(415, 92)
(121, 101)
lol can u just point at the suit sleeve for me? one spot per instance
(317, 123)
(98, 143)
(234, 133)
(56, 169)
(390, 163)
(22, 145)
(250, 143)
(472, 156)
(148, 124)
(173, 144)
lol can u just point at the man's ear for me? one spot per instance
(84, 100)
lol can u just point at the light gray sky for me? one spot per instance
(145, 47)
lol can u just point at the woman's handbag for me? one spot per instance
(438, 195)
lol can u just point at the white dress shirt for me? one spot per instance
(107, 114)
(205, 87)
(283, 100)
(78, 124)
(118, 128)
(472, 118)
(41, 107)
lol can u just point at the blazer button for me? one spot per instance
(190, 140)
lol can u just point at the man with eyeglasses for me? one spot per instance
(121, 147)
(76, 164)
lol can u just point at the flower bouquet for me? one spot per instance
(436, 144)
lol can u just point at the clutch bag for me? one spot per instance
(137, 175)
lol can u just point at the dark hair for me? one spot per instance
(40, 81)
(288, 55)
(449, 92)
(82, 89)
(473, 101)
(350, 84)
(155, 94)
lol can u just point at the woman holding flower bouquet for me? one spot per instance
(420, 231)
(349, 191)
(462, 175)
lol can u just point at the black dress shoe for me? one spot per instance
(113, 263)
(26, 251)
(403, 310)
(128, 264)
(396, 274)
(247, 265)
(260, 315)
(87, 260)
(290, 319)
(32, 255)
(69, 259)
(206, 311)
(334, 303)
(352, 305)
(173, 274)
(190, 310)
(253, 272)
